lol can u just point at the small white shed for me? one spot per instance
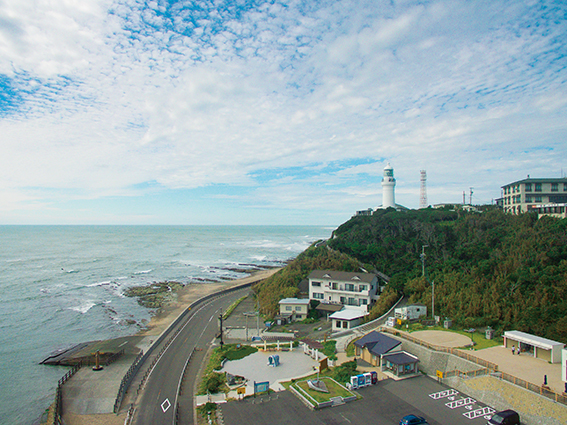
(410, 312)
(347, 318)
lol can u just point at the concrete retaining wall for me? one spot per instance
(431, 361)
(533, 408)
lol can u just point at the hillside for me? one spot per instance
(509, 272)
(285, 283)
(490, 269)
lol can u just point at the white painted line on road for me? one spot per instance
(485, 411)
(124, 343)
(165, 405)
(443, 394)
(460, 403)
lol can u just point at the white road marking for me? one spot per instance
(165, 405)
(443, 394)
(460, 403)
(485, 411)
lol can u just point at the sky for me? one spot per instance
(272, 112)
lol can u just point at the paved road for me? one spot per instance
(156, 404)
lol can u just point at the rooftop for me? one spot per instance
(343, 276)
(295, 301)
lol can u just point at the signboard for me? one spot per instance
(261, 387)
(241, 390)
(323, 364)
(439, 374)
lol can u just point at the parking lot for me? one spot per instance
(385, 403)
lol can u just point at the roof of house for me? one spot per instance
(541, 180)
(538, 341)
(401, 358)
(348, 314)
(295, 301)
(355, 277)
(329, 307)
(377, 343)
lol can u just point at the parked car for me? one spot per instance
(413, 420)
(505, 417)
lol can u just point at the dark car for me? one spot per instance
(413, 420)
(505, 417)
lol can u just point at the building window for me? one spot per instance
(554, 187)
(334, 285)
(528, 199)
(538, 187)
(564, 187)
(288, 308)
(315, 283)
(352, 301)
(297, 308)
(343, 300)
(349, 287)
(363, 301)
(318, 295)
(528, 187)
(538, 198)
(362, 288)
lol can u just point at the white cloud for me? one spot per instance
(107, 96)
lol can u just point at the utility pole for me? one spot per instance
(433, 300)
(470, 197)
(220, 319)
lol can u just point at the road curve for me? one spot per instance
(156, 403)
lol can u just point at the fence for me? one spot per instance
(493, 367)
(541, 390)
(489, 368)
(58, 409)
(127, 380)
(180, 387)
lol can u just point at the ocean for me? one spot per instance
(62, 285)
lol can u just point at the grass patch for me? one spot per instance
(330, 348)
(230, 309)
(212, 381)
(350, 348)
(335, 390)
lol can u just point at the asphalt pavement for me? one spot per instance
(159, 398)
(382, 404)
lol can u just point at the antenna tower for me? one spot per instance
(423, 190)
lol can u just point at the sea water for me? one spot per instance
(62, 285)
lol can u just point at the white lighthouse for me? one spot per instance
(388, 185)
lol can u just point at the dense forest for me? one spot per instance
(489, 269)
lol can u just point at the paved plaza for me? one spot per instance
(293, 364)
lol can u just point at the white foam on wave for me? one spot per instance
(106, 282)
(83, 307)
(144, 271)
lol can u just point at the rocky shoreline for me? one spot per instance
(156, 295)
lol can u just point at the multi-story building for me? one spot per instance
(535, 194)
(358, 290)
